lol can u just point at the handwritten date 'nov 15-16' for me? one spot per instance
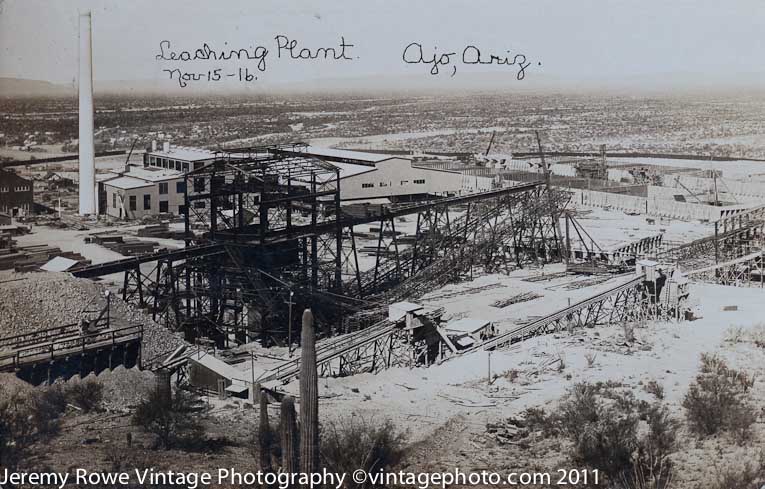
(415, 53)
(285, 48)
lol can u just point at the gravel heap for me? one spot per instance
(41, 300)
(123, 388)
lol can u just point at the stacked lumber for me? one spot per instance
(124, 245)
(30, 258)
(160, 231)
(132, 247)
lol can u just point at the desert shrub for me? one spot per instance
(17, 433)
(654, 388)
(45, 406)
(361, 444)
(590, 357)
(173, 421)
(535, 419)
(511, 375)
(749, 475)
(603, 425)
(651, 466)
(86, 395)
(604, 433)
(717, 401)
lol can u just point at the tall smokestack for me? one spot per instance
(87, 150)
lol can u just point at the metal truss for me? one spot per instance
(746, 271)
(632, 301)
(737, 234)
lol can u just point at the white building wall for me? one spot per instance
(173, 197)
(397, 177)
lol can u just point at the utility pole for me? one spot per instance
(289, 325)
(551, 202)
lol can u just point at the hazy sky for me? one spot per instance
(573, 40)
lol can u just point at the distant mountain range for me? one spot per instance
(677, 83)
(18, 87)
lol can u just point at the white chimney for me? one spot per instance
(87, 150)
(166, 146)
(154, 145)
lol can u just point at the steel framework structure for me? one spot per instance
(632, 301)
(746, 271)
(736, 234)
(266, 235)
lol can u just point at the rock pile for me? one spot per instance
(34, 301)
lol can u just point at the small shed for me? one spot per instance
(467, 331)
(404, 310)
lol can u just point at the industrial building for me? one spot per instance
(16, 194)
(178, 158)
(369, 176)
(143, 192)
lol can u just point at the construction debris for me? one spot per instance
(507, 432)
(465, 291)
(524, 297)
(543, 277)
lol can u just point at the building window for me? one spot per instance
(185, 167)
(146, 202)
(367, 185)
(180, 187)
(163, 206)
(198, 164)
(181, 209)
(163, 188)
(153, 161)
(420, 182)
(114, 200)
(132, 202)
(199, 185)
(178, 165)
(199, 204)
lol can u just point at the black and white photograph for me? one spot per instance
(382, 244)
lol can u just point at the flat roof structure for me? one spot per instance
(153, 174)
(342, 155)
(127, 183)
(184, 153)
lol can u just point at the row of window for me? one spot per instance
(168, 163)
(133, 204)
(385, 184)
(23, 188)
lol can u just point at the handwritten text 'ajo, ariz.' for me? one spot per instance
(414, 53)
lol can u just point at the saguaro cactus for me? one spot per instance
(264, 435)
(309, 398)
(289, 436)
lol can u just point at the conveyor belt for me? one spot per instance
(532, 328)
(117, 266)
